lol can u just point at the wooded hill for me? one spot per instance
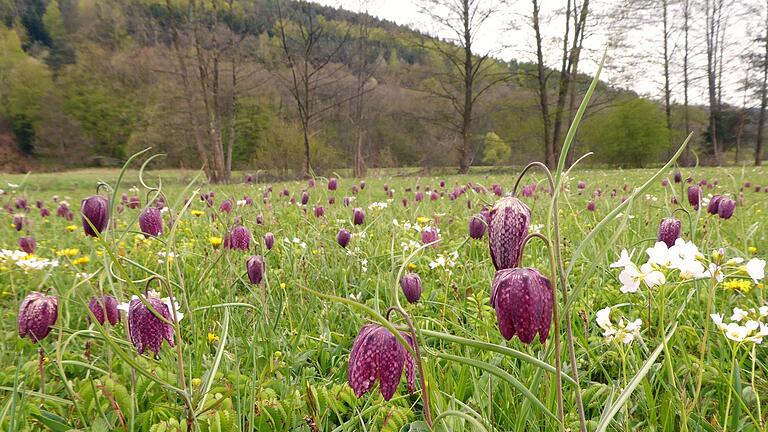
(88, 82)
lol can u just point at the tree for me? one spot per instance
(497, 152)
(763, 94)
(471, 74)
(309, 45)
(630, 134)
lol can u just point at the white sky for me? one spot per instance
(638, 65)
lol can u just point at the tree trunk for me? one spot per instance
(549, 150)
(667, 90)
(763, 100)
(465, 151)
(686, 159)
(711, 36)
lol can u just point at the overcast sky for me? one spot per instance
(638, 65)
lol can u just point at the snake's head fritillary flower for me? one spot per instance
(581, 185)
(694, 196)
(19, 221)
(255, 269)
(95, 209)
(22, 204)
(669, 231)
(678, 177)
(45, 212)
(304, 197)
(134, 202)
(346, 200)
(343, 237)
(377, 355)
(358, 216)
(411, 285)
(319, 211)
(38, 312)
(332, 183)
(523, 300)
(104, 308)
(331, 200)
(430, 235)
(146, 329)
(591, 206)
(269, 240)
(151, 221)
(477, 226)
(419, 196)
(238, 238)
(27, 244)
(726, 207)
(355, 190)
(248, 178)
(507, 229)
(362, 184)
(713, 203)
(225, 206)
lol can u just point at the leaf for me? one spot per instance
(417, 426)
(52, 421)
(611, 411)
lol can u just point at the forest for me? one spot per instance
(291, 87)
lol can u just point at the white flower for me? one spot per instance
(751, 331)
(631, 277)
(356, 297)
(625, 332)
(535, 228)
(241, 203)
(625, 259)
(603, 318)
(756, 269)
(85, 275)
(13, 185)
(378, 206)
(739, 314)
(735, 261)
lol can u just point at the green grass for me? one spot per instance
(277, 354)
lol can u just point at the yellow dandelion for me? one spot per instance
(215, 241)
(411, 266)
(422, 219)
(212, 337)
(196, 382)
(743, 285)
(69, 252)
(752, 250)
(197, 213)
(82, 260)
(71, 228)
(282, 285)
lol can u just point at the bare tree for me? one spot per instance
(763, 93)
(363, 73)
(542, 75)
(471, 73)
(309, 47)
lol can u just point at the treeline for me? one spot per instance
(294, 87)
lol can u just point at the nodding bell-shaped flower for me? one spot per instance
(713, 203)
(477, 227)
(377, 355)
(151, 221)
(678, 177)
(430, 235)
(104, 308)
(523, 300)
(38, 312)
(226, 206)
(19, 221)
(332, 183)
(694, 196)
(146, 329)
(358, 216)
(319, 211)
(343, 237)
(669, 231)
(591, 206)
(304, 198)
(411, 285)
(269, 240)
(27, 244)
(507, 229)
(95, 209)
(238, 238)
(255, 268)
(725, 208)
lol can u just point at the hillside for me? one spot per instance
(89, 82)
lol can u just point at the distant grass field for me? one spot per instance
(274, 356)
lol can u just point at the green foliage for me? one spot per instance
(631, 133)
(496, 152)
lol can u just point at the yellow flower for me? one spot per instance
(743, 285)
(71, 228)
(422, 219)
(212, 338)
(411, 266)
(70, 252)
(752, 250)
(215, 241)
(282, 285)
(197, 213)
(196, 382)
(81, 260)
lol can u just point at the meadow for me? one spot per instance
(275, 355)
